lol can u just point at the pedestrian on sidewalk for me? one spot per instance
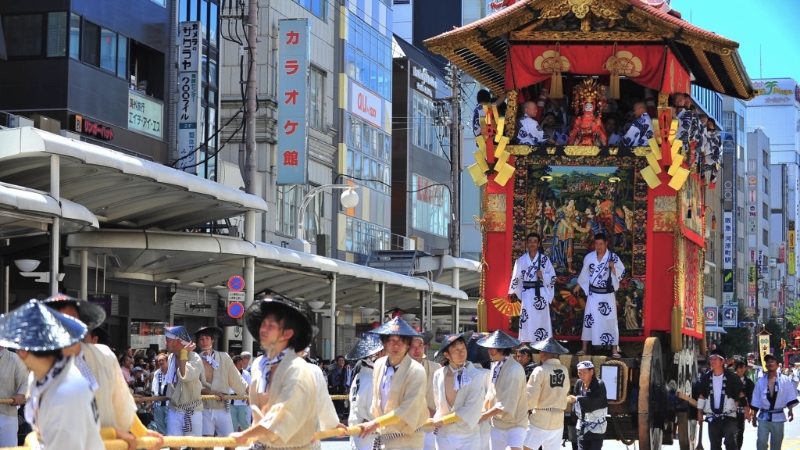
(774, 393)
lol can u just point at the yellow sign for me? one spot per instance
(791, 240)
(763, 348)
(790, 259)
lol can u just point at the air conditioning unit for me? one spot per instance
(46, 123)
(419, 243)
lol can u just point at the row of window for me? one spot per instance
(435, 139)
(204, 11)
(368, 139)
(375, 174)
(363, 237)
(368, 56)
(430, 206)
(316, 7)
(289, 199)
(58, 34)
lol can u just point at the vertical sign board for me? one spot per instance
(728, 182)
(727, 240)
(190, 48)
(293, 50)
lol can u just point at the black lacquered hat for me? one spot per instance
(499, 339)
(258, 310)
(90, 314)
(475, 353)
(35, 327)
(396, 327)
(368, 345)
(550, 345)
(178, 332)
(214, 332)
(448, 340)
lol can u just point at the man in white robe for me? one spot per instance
(528, 130)
(368, 349)
(600, 276)
(533, 283)
(417, 353)
(13, 385)
(459, 391)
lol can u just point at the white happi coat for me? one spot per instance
(534, 317)
(361, 405)
(468, 404)
(600, 317)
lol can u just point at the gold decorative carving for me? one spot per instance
(613, 151)
(665, 203)
(575, 150)
(556, 9)
(519, 150)
(567, 36)
(706, 65)
(511, 112)
(580, 7)
(663, 99)
(494, 218)
(641, 151)
(551, 150)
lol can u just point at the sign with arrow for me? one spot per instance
(729, 316)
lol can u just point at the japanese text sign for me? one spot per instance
(145, 114)
(189, 133)
(293, 55)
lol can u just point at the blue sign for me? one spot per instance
(293, 50)
(236, 283)
(729, 316)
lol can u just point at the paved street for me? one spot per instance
(791, 441)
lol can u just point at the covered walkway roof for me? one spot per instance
(118, 189)
(26, 212)
(199, 260)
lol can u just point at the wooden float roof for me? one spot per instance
(480, 48)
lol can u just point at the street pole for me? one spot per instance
(250, 173)
(455, 160)
(757, 328)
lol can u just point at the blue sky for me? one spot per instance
(774, 25)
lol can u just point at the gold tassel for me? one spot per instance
(613, 85)
(556, 85)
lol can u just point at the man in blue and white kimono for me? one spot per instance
(772, 395)
(533, 283)
(600, 276)
(641, 129)
(528, 130)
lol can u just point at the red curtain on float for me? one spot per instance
(652, 66)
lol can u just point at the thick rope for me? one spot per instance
(622, 376)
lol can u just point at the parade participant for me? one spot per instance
(159, 389)
(98, 364)
(484, 98)
(398, 396)
(551, 134)
(338, 384)
(528, 130)
(505, 405)
(183, 386)
(641, 129)
(743, 414)
(599, 278)
(719, 391)
(713, 151)
(525, 359)
(247, 357)
(479, 356)
(610, 125)
(218, 376)
(368, 349)
(772, 395)
(284, 395)
(533, 283)
(417, 353)
(240, 411)
(13, 385)
(548, 387)
(591, 406)
(459, 392)
(60, 407)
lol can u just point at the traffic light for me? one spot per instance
(747, 324)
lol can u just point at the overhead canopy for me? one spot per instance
(208, 261)
(117, 188)
(481, 48)
(715, 329)
(25, 212)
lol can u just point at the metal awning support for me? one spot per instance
(333, 315)
(84, 274)
(382, 311)
(457, 307)
(249, 276)
(55, 227)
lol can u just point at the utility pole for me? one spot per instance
(250, 173)
(455, 159)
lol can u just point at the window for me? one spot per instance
(363, 237)
(317, 7)
(90, 53)
(369, 154)
(23, 35)
(368, 57)
(709, 283)
(316, 99)
(765, 236)
(741, 244)
(422, 114)
(289, 200)
(764, 213)
(765, 185)
(75, 36)
(108, 50)
(765, 158)
(122, 57)
(430, 206)
(740, 184)
(57, 34)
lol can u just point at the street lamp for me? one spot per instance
(349, 199)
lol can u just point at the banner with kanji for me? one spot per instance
(293, 55)
(652, 66)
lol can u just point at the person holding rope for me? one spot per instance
(548, 387)
(183, 386)
(459, 390)
(98, 364)
(368, 349)
(285, 399)
(61, 407)
(505, 405)
(591, 407)
(417, 353)
(719, 392)
(533, 284)
(398, 393)
(13, 385)
(218, 377)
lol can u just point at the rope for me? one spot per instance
(202, 397)
(340, 397)
(624, 377)
(627, 442)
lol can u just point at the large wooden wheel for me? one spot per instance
(652, 396)
(686, 361)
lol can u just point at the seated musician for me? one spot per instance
(528, 130)
(641, 129)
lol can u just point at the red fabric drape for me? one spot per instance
(652, 66)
